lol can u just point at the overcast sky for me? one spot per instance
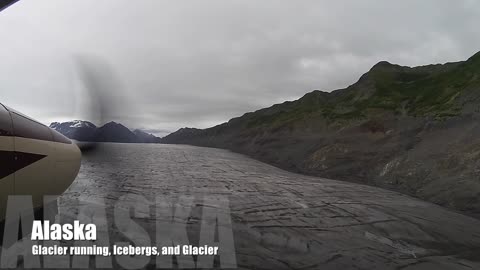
(170, 64)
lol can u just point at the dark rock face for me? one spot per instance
(413, 130)
(115, 132)
(182, 135)
(145, 137)
(110, 132)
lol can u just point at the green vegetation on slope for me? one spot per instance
(422, 91)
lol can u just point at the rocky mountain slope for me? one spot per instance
(110, 132)
(413, 130)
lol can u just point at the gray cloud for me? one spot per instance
(199, 63)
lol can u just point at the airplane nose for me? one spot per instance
(37, 160)
(67, 162)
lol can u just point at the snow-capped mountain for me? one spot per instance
(111, 132)
(78, 130)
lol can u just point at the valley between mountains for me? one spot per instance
(415, 130)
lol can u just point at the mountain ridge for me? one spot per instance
(397, 127)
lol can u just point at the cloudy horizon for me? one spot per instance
(168, 65)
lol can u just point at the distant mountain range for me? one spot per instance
(413, 130)
(111, 132)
